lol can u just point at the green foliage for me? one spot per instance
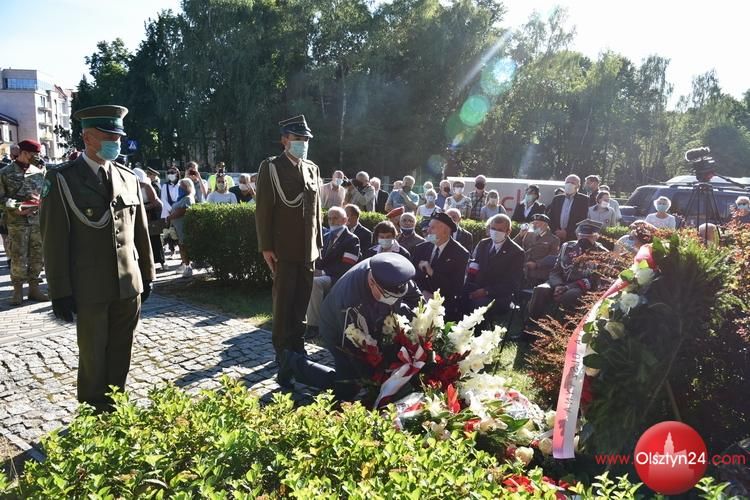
(223, 237)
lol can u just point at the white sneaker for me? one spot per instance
(188, 272)
(180, 269)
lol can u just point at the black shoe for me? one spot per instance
(285, 375)
(311, 332)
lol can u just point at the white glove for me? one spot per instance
(11, 203)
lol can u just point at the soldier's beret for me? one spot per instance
(392, 272)
(296, 125)
(396, 212)
(107, 118)
(540, 217)
(29, 145)
(588, 226)
(445, 219)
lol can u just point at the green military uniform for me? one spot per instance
(18, 185)
(289, 222)
(97, 251)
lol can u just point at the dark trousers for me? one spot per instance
(105, 338)
(543, 296)
(292, 286)
(157, 248)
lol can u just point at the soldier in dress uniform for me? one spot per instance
(540, 247)
(97, 252)
(20, 189)
(573, 274)
(289, 225)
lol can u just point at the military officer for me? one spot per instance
(289, 225)
(97, 252)
(540, 247)
(573, 274)
(20, 188)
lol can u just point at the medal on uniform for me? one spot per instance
(89, 212)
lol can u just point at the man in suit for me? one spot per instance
(97, 252)
(496, 269)
(381, 197)
(461, 235)
(408, 238)
(441, 264)
(568, 209)
(540, 247)
(530, 205)
(340, 252)
(592, 188)
(363, 234)
(289, 224)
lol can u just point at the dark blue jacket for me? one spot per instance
(338, 257)
(448, 273)
(499, 274)
(364, 235)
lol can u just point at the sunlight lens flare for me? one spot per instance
(497, 76)
(474, 110)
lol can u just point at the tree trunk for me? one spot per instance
(343, 118)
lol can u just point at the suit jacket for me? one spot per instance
(95, 242)
(578, 212)
(293, 233)
(337, 257)
(500, 274)
(409, 241)
(448, 272)
(380, 200)
(363, 234)
(519, 213)
(465, 238)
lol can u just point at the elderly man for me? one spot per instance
(363, 234)
(496, 269)
(244, 192)
(97, 253)
(441, 264)
(20, 189)
(461, 235)
(340, 252)
(381, 197)
(540, 247)
(574, 274)
(478, 197)
(289, 224)
(361, 193)
(568, 209)
(408, 238)
(332, 194)
(405, 197)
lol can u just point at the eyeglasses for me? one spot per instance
(385, 293)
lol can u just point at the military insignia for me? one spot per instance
(89, 212)
(46, 187)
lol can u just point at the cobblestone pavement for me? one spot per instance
(176, 341)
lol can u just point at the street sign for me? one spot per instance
(132, 145)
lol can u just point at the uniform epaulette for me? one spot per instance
(61, 166)
(123, 168)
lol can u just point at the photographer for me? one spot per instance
(404, 197)
(201, 186)
(360, 193)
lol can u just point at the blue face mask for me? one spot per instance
(432, 238)
(298, 149)
(109, 150)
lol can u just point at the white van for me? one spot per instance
(512, 191)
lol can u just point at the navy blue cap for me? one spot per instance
(541, 217)
(445, 219)
(588, 226)
(392, 271)
(296, 125)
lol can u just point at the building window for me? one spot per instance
(10, 133)
(20, 84)
(42, 101)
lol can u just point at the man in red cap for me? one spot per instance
(20, 188)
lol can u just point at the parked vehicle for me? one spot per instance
(512, 191)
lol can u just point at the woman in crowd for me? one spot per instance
(221, 194)
(641, 233)
(458, 200)
(385, 234)
(444, 193)
(176, 217)
(529, 206)
(429, 206)
(493, 206)
(169, 193)
(742, 210)
(244, 192)
(602, 212)
(661, 219)
(153, 206)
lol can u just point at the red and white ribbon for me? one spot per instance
(403, 373)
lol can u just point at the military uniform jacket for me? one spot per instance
(538, 247)
(572, 270)
(287, 209)
(338, 255)
(20, 185)
(96, 244)
(500, 273)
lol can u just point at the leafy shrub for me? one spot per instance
(223, 238)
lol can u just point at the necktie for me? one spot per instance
(105, 180)
(435, 255)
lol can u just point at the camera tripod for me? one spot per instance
(703, 204)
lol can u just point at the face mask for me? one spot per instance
(480, 185)
(221, 187)
(407, 230)
(536, 229)
(334, 228)
(458, 190)
(252, 185)
(604, 204)
(432, 238)
(662, 207)
(172, 177)
(492, 201)
(743, 206)
(244, 187)
(430, 199)
(570, 188)
(298, 149)
(387, 300)
(385, 243)
(337, 181)
(497, 236)
(529, 199)
(109, 150)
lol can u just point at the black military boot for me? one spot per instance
(285, 376)
(308, 372)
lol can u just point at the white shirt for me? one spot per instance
(439, 250)
(96, 166)
(669, 222)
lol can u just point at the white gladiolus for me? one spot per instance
(524, 454)
(434, 405)
(628, 301)
(644, 276)
(484, 386)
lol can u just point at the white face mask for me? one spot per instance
(604, 204)
(172, 177)
(497, 236)
(432, 238)
(458, 190)
(244, 186)
(388, 300)
(570, 188)
(385, 243)
(337, 181)
(334, 228)
(430, 199)
(492, 202)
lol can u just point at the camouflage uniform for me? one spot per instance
(24, 236)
